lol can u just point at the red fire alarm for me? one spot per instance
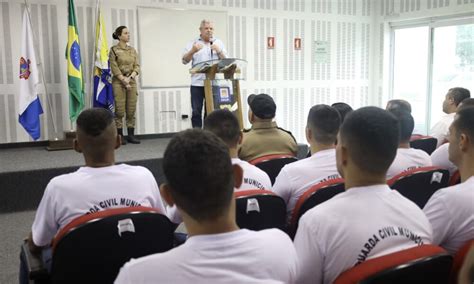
(270, 42)
(297, 43)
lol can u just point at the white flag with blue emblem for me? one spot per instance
(29, 107)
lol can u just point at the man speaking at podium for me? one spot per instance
(201, 49)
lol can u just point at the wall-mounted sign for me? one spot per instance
(270, 42)
(321, 51)
(297, 43)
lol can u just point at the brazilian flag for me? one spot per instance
(74, 67)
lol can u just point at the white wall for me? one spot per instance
(354, 73)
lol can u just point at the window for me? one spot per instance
(428, 59)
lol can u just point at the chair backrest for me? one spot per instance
(459, 260)
(272, 164)
(425, 143)
(93, 247)
(259, 209)
(419, 184)
(455, 178)
(421, 264)
(315, 195)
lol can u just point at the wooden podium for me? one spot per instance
(221, 86)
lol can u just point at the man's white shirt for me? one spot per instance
(296, 178)
(241, 256)
(451, 213)
(408, 159)
(253, 177)
(91, 190)
(359, 224)
(440, 158)
(441, 129)
(204, 54)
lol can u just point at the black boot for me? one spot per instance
(131, 136)
(120, 132)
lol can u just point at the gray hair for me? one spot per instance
(205, 21)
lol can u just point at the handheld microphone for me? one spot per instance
(211, 42)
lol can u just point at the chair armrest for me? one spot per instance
(34, 263)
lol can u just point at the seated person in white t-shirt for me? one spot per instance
(440, 157)
(451, 210)
(343, 109)
(407, 158)
(99, 185)
(296, 178)
(368, 219)
(200, 181)
(398, 104)
(450, 105)
(225, 125)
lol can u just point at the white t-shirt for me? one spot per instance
(254, 178)
(89, 190)
(204, 54)
(408, 159)
(359, 224)
(241, 256)
(441, 128)
(296, 178)
(451, 213)
(440, 158)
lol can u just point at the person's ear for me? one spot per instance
(76, 146)
(241, 137)
(166, 194)
(118, 141)
(344, 156)
(464, 142)
(309, 134)
(238, 175)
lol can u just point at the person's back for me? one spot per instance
(225, 125)
(451, 210)
(440, 158)
(265, 137)
(241, 256)
(367, 220)
(200, 181)
(407, 158)
(295, 178)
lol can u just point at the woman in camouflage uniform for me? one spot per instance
(125, 68)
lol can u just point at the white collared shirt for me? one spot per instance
(296, 178)
(356, 225)
(451, 213)
(203, 55)
(441, 129)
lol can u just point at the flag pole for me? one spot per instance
(40, 67)
(91, 98)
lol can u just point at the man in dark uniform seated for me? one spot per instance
(265, 137)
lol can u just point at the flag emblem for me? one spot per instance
(25, 68)
(76, 55)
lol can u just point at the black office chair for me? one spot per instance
(93, 247)
(420, 264)
(420, 184)
(260, 209)
(272, 164)
(314, 196)
(425, 143)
